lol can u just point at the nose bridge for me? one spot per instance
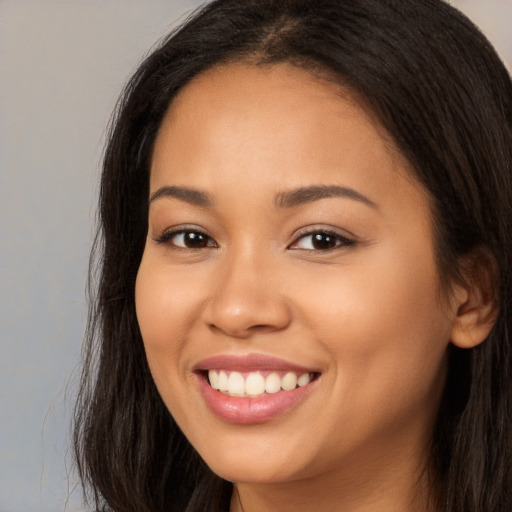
(247, 297)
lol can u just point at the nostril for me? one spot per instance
(241, 308)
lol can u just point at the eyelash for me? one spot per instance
(339, 240)
(166, 238)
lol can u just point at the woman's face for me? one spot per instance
(289, 242)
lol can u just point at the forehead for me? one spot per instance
(265, 94)
(237, 122)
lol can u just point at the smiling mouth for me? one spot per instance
(257, 383)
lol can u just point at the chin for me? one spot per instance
(249, 472)
(253, 466)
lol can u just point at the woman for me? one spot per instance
(304, 291)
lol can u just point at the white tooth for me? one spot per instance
(223, 381)
(303, 379)
(213, 376)
(289, 381)
(273, 383)
(236, 384)
(254, 384)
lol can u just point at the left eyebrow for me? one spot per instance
(304, 195)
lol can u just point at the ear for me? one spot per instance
(476, 300)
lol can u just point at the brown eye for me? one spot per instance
(187, 239)
(321, 241)
(194, 239)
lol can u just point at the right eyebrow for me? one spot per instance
(189, 195)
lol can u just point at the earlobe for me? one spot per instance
(478, 307)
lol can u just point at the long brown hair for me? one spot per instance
(443, 95)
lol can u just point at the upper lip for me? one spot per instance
(249, 362)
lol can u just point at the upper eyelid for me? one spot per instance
(174, 230)
(311, 230)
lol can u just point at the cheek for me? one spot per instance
(161, 301)
(384, 326)
(387, 343)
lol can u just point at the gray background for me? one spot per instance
(62, 65)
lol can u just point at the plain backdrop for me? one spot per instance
(62, 65)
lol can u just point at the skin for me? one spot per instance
(368, 315)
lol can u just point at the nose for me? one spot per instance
(247, 298)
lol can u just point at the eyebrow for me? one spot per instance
(305, 195)
(189, 195)
(286, 199)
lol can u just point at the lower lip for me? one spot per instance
(246, 411)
